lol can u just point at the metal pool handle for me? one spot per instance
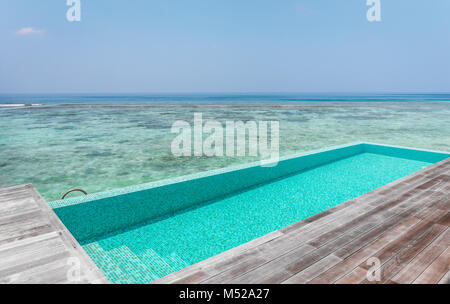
(73, 190)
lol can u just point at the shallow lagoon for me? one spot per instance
(106, 146)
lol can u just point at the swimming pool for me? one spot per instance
(141, 233)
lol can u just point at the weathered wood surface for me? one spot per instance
(404, 225)
(35, 247)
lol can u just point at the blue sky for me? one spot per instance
(143, 46)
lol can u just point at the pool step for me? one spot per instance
(123, 266)
(135, 270)
(162, 268)
(104, 263)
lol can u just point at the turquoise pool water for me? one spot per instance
(161, 246)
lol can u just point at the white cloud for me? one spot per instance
(29, 31)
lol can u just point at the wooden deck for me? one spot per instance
(404, 226)
(35, 247)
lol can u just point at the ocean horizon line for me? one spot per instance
(217, 98)
(352, 93)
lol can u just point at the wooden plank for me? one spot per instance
(362, 255)
(23, 226)
(407, 253)
(314, 270)
(436, 271)
(423, 225)
(412, 271)
(13, 189)
(354, 277)
(415, 232)
(445, 279)
(445, 221)
(261, 274)
(362, 241)
(192, 278)
(35, 247)
(348, 264)
(367, 252)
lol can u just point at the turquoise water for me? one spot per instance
(160, 247)
(101, 143)
(217, 98)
